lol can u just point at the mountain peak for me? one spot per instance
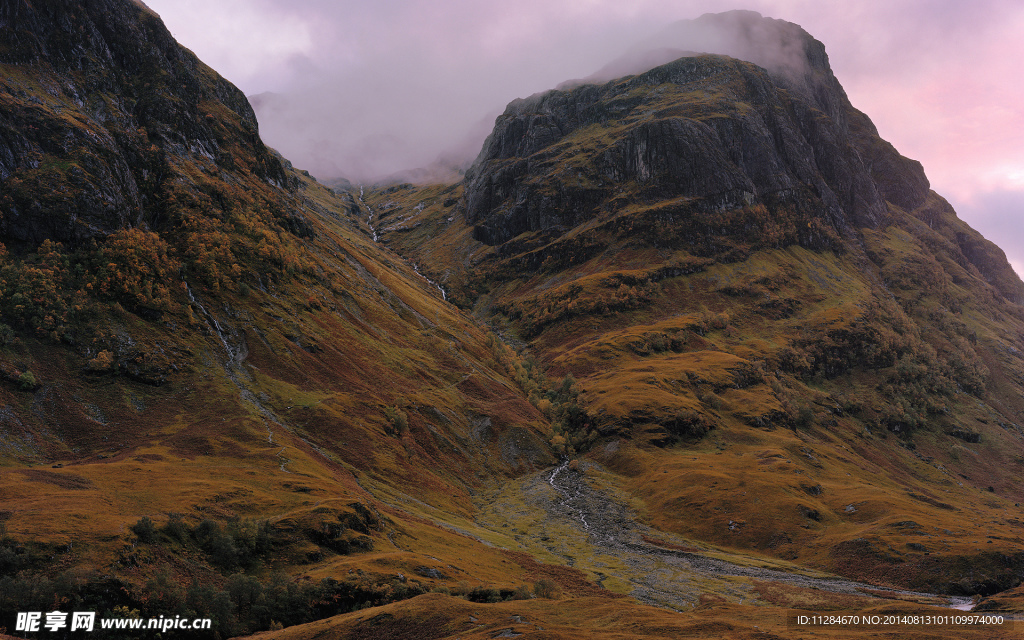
(714, 130)
(793, 56)
(721, 245)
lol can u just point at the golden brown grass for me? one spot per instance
(438, 616)
(803, 461)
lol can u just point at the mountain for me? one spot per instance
(682, 348)
(785, 342)
(208, 365)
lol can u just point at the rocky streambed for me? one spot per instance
(562, 514)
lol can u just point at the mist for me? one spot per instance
(408, 108)
(773, 44)
(408, 100)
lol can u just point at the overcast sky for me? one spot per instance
(362, 88)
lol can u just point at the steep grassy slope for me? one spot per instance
(783, 341)
(209, 367)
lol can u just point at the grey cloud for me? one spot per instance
(403, 107)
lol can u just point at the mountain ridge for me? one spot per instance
(123, 52)
(208, 366)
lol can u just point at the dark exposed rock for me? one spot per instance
(101, 102)
(430, 572)
(966, 435)
(812, 514)
(716, 130)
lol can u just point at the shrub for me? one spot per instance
(805, 417)
(544, 406)
(399, 419)
(545, 588)
(223, 551)
(558, 443)
(484, 594)
(135, 266)
(27, 381)
(712, 399)
(144, 529)
(36, 293)
(217, 544)
(688, 424)
(103, 361)
(176, 528)
(13, 556)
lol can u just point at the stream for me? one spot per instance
(369, 215)
(234, 371)
(376, 238)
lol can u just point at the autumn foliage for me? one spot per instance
(135, 266)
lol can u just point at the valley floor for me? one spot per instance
(576, 518)
(644, 583)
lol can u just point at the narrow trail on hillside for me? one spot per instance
(592, 530)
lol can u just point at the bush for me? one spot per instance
(137, 267)
(688, 424)
(489, 594)
(223, 551)
(144, 529)
(176, 529)
(711, 399)
(27, 381)
(545, 588)
(103, 361)
(240, 606)
(399, 419)
(37, 294)
(805, 417)
(219, 545)
(13, 556)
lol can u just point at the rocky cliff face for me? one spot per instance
(97, 104)
(717, 131)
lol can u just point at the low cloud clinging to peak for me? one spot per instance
(365, 89)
